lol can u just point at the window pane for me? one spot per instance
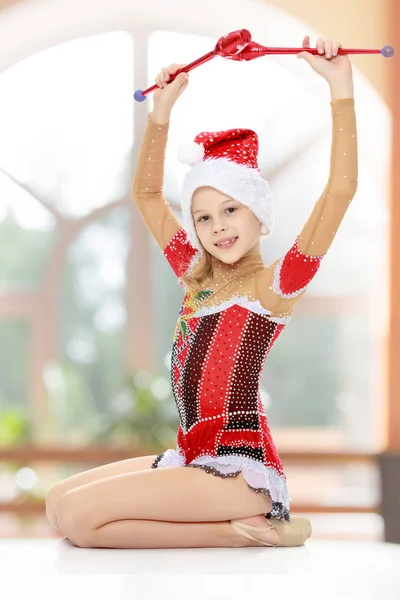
(93, 319)
(27, 233)
(14, 367)
(69, 138)
(301, 375)
(319, 376)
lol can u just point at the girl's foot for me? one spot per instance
(270, 536)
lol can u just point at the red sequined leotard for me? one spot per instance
(225, 332)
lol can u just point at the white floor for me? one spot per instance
(345, 570)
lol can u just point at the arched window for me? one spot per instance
(71, 273)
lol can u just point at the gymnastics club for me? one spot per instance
(237, 45)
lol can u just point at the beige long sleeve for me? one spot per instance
(290, 275)
(321, 227)
(147, 185)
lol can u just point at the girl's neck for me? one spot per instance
(247, 263)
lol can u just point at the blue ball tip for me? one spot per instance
(138, 95)
(387, 51)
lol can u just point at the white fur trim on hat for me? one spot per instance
(240, 182)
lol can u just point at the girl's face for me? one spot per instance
(217, 216)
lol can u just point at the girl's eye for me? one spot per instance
(233, 208)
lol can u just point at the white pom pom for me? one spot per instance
(191, 153)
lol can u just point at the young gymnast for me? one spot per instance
(234, 308)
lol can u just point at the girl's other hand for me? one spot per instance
(336, 69)
(168, 93)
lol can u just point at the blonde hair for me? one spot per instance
(202, 270)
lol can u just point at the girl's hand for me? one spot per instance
(168, 93)
(337, 70)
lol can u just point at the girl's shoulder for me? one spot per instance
(265, 292)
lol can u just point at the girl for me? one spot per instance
(233, 311)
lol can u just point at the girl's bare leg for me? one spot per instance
(130, 465)
(182, 507)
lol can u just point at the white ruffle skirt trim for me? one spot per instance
(258, 477)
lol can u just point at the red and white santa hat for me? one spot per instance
(228, 162)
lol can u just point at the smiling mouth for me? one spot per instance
(227, 244)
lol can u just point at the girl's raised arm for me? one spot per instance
(147, 186)
(292, 273)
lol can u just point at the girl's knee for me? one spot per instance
(53, 498)
(71, 521)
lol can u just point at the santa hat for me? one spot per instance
(228, 162)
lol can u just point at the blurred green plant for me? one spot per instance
(143, 414)
(15, 427)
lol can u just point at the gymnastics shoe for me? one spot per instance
(293, 533)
